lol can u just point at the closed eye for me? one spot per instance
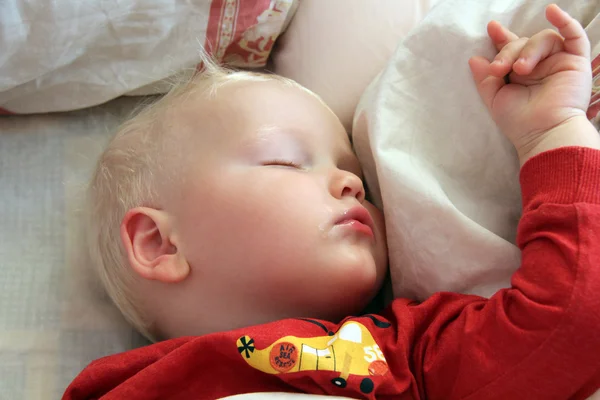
(282, 163)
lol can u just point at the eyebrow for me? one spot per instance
(267, 131)
(266, 134)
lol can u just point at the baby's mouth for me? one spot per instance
(358, 219)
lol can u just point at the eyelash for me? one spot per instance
(282, 163)
(291, 164)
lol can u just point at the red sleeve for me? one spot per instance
(540, 339)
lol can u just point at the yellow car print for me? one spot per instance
(350, 351)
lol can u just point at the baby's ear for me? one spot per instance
(146, 235)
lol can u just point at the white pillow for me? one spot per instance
(445, 175)
(336, 47)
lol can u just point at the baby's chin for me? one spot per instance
(348, 307)
(362, 275)
(351, 297)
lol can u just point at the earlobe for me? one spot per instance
(146, 234)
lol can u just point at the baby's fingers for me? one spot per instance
(503, 62)
(576, 41)
(500, 35)
(538, 48)
(487, 85)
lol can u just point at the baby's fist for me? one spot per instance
(549, 78)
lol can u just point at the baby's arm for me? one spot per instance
(540, 339)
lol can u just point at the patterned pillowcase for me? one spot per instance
(242, 34)
(593, 112)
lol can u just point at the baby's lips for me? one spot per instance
(358, 214)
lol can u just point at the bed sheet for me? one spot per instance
(53, 320)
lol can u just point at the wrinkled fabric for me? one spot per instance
(433, 158)
(65, 55)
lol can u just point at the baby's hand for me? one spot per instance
(549, 79)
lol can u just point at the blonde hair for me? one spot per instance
(127, 175)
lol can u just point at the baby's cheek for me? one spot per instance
(380, 234)
(380, 251)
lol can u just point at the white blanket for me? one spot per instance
(445, 175)
(59, 55)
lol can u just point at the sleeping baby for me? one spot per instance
(228, 223)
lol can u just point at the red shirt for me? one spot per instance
(539, 339)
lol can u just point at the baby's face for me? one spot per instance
(271, 216)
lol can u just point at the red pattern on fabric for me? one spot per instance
(241, 34)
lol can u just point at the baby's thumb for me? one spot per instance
(487, 85)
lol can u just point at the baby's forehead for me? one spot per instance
(242, 108)
(268, 113)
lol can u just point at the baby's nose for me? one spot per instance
(348, 184)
